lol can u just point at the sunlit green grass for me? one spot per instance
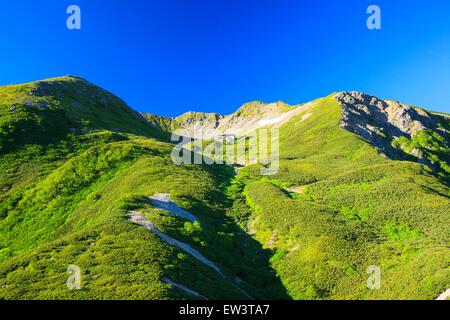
(65, 194)
(355, 209)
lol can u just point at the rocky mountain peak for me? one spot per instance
(381, 121)
(406, 119)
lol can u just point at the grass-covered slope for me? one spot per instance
(77, 215)
(65, 202)
(337, 207)
(74, 160)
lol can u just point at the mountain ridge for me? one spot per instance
(390, 126)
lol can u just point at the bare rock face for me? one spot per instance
(379, 122)
(250, 117)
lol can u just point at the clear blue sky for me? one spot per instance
(171, 56)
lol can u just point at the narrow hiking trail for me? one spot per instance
(162, 201)
(139, 219)
(182, 288)
(444, 295)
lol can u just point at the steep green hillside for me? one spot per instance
(75, 161)
(77, 214)
(47, 111)
(66, 203)
(336, 208)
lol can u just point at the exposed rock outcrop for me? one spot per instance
(379, 122)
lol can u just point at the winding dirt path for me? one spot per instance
(139, 219)
(182, 288)
(162, 201)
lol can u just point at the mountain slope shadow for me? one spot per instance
(238, 253)
(241, 258)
